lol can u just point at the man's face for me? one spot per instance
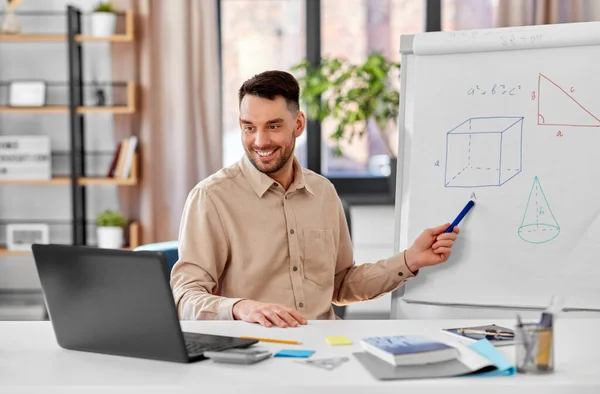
(269, 132)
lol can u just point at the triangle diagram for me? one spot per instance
(556, 107)
(539, 224)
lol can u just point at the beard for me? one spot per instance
(282, 156)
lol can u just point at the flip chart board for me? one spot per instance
(508, 117)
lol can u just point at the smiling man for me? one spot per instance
(266, 241)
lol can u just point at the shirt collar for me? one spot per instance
(261, 182)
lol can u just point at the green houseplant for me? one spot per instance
(109, 229)
(354, 95)
(103, 20)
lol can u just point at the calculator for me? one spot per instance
(239, 356)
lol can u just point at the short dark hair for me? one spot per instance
(270, 84)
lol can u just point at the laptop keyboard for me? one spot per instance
(197, 348)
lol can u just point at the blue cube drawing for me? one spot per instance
(483, 152)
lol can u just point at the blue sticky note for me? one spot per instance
(487, 350)
(294, 353)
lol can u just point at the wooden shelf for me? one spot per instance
(32, 37)
(48, 109)
(53, 181)
(45, 109)
(126, 37)
(115, 38)
(6, 252)
(133, 238)
(62, 38)
(108, 181)
(86, 181)
(65, 109)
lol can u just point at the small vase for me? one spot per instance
(103, 24)
(110, 237)
(11, 25)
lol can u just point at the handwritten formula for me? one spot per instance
(494, 90)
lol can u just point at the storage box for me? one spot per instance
(25, 157)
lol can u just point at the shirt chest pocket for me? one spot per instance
(319, 263)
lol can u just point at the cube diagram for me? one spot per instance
(484, 152)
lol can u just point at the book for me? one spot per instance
(470, 334)
(113, 163)
(131, 146)
(409, 349)
(477, 359)
(121, 159)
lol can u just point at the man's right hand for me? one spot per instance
(267, 314)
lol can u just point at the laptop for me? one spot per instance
(118, 302)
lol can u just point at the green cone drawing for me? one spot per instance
(539, 224)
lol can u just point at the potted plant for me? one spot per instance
(357, 97)
(103, 20)
(109, 229)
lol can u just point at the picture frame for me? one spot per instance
(27, 94)
(20, 236)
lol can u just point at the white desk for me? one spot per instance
(31, 361)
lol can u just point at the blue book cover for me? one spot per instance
(406, 344)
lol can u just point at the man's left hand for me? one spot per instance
(432, 247)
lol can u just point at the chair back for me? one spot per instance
(169, 248)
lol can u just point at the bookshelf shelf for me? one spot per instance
(115, 38)
(62, 38)
(108, 181)
(33, 38)
(85, 181)
(6, 252)
(53, 181)
(125, 37)
(133, 242)
(130, 108)
(60, 109)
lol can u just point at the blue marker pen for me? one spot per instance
(460, 216)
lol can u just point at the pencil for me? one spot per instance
(273, 340)
(481, 332)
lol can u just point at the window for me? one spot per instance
(256, 35)
(352, 32)
(272, 34)
(469, 14)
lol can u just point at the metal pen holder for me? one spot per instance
(534, 349)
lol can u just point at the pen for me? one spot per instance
(460, 216)
(284, 341)
(524, 339)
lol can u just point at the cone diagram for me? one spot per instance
(539, 224)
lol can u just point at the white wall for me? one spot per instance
(373, 240)
(49, 61)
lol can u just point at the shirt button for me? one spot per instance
(292, 231)
(400, 274)
(295, 268)
(301, 305)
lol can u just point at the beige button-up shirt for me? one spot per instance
(242, 236)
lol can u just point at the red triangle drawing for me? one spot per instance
(556, 107)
